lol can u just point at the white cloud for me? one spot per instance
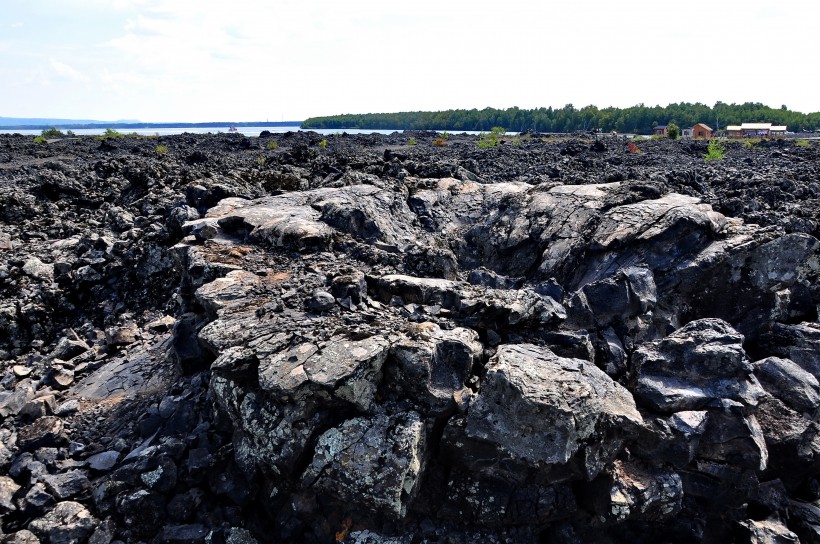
(64, 70)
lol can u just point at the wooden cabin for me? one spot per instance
(702, 131)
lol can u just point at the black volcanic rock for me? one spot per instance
(550, 340)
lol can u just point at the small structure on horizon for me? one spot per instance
(756, 130)
(702, 130)
(659, 130)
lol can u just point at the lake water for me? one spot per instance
(247, 131)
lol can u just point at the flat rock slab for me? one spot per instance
(104, 461)
(348, 368)
(143, 371)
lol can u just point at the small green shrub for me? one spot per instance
(323, 144)
(802, 143)
(491, 139)
(673, 131)
(40, 140)
(272, 144)
(161, 149)
(52, 133)
(111, 133)
(260, 160)
(411, 141)
(639, 138)
(445, 135)
(749, 143)
(716, 151)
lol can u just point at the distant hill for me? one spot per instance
(48, 122)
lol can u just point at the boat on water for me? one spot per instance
(233, 129)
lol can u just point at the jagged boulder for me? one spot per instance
(433, 366)
(699, 364)
(374, 463)
(628, 490)
(787, 381)
(542, 409)
(628, 293)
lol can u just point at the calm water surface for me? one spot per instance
(247, 131)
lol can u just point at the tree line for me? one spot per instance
(638, 119)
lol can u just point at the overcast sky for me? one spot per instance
(255, 60)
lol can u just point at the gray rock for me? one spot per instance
(614, 353)
(37, 269)
(37, 500)
(628, 293)
(142, 511)
(267, 435)
(24, 536)
(542, 408)
(5, 457)
(629, 490)
(184, 534)
(103, 461)
(321, 301)
(8, 489)
(11, 402)
(238, 535)
(352, 285)
(349, 369)
(433, 365)
(68, 484)
(104, 533)
(798, 343)
(429, 291)
(67, 408)
(47, 431)
(38, 407)
(369, 537)
(498, 502)
(60, 377)
(374, 463)
(806, 520)
(67, 523)
(734, 438)
(697, 364)
(792, 439)
(278, 221)
(673, 439)
(769, 531)
(69, 347)
(122, 335)
(787, 381)
(119, 219)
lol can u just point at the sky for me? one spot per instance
(274, 60)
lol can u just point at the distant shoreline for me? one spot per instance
(210, 124)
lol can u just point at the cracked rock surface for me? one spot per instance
(551, 340)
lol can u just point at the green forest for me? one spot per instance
(638, 119)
